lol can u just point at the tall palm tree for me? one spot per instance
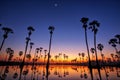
(113, 43)
(5, 35)
(30, 29)
(100, 48)
(94, 27)
(84, 21)
(51, 28)
(118, 37)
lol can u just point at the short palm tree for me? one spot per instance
(100, 48)
(45, 55)
(5, 35)
(40, 52)
(113, 43)
(79, 54)
(92, 51)
(20, 54)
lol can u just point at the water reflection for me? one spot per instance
(58, 72)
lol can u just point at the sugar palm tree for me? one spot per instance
(118, 37)
(40, 52)
(45, 55)
(31, 44)
(83, 55)
(100, 48)
(51, 28)
(5, 35)
(79, 54)
(30, 30)
(113, 43)
(94, 27)
(20, 54)
(84, 21)
(92, 51)
(112, 55)
(8, 50)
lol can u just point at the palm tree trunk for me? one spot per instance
(25, 51)
(2, 44)
(96, 56)
(90, 67)
(48, 61)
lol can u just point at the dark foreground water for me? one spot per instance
(58, 72)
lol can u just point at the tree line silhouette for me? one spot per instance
(93, 26)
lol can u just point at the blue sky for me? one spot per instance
(65, 16)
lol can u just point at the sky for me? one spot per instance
(64, 15)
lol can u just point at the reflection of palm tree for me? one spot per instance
(51, 28)
(84, 21)
(5, 35)
(100, 47)
(113, 43)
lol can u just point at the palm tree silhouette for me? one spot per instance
(40, 56)
(100, 48)
(30, 29)
(83, 55)
(92, 51)
(79, 54)
(113, 43)
(45, 55)
(118, 37)
(94, 27)
(5, 35)
(20, 54)
(84, 21)
(51, 28)
(112, 55)
(31, 44)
